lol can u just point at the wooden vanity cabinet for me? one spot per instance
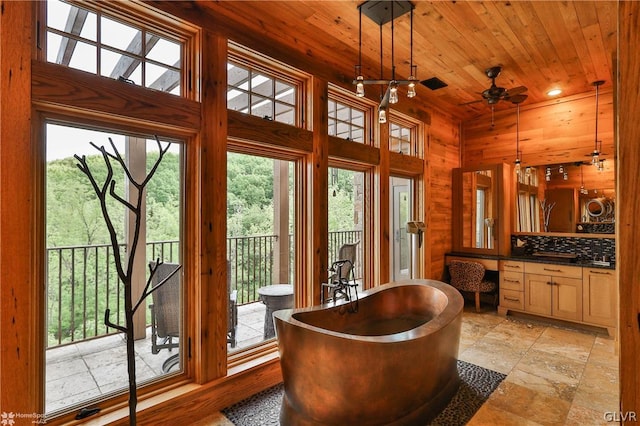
(553, 290)
(599, 297)
(511, 285)
(573, 293)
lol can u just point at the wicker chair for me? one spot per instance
(165, 310)
(469, 277)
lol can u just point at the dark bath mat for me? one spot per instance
(476, 384)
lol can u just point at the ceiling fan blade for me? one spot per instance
(516, 91)
(517, 98)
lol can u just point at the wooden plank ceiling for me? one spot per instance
(539, 44)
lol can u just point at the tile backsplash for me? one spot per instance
(585, 248)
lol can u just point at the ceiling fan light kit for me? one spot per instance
(382, 12)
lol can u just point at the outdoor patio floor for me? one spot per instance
(88, 369)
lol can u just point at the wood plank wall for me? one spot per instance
(628, 193)
(554, 132)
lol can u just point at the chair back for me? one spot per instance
(166, 300)
(466, 276)
(347, 251)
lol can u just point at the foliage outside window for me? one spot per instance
(260, 238)
(255, 92)
(85, 359)
(96, 42)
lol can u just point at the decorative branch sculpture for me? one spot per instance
(546, 213)
(107, 188)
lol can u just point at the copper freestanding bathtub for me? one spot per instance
(393, 361)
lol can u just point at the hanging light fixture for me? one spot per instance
(582, 188)
(595, 155)
(382, 12)
(518, 152)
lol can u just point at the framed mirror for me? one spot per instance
(479, 211)
(578, 198)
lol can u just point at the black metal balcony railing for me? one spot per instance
(82, 281)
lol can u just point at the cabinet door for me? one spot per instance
(537, 298)
(566, 298)
(599, 297)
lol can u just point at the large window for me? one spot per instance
(260, 245)
(346, 220)
(86, 359)
(99, 43)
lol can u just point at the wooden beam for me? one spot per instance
(252, 129)
(317, 206)
(211, 298)
(58, 86)
(21, 266)
(628, 206)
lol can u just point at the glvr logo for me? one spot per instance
(620, 416)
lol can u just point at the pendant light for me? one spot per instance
(382, 12)
(595, 155)
(518, 152)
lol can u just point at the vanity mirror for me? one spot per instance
(481, 215)
(580, 194)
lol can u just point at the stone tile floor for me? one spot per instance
(92, 368)
(556, 374)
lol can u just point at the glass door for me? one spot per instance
(401, 211)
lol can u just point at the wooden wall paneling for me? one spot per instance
(444, 156)
(550, 132)
(628, 205)
(317, 229)
(382, 252)
(58, 85)
(211, 342)
(244, 127)
(21, 316)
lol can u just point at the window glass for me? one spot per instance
(346, 220)
(268, 96)
(401, 139)
(346, 122)
(123, 50)
(401, 211)
(260, 246)
(85, 358)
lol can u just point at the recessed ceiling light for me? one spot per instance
(554, 92)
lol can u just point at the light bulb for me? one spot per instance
(561, 169)
(565, 176)
(517, 166)
(360, 86)
(527, 172)
(393, 93)
(547, 178)
(595, 158)
(411, 91)
(600, 165)
(382, 116)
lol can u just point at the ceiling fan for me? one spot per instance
(494, 94)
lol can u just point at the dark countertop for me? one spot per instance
(526, 258)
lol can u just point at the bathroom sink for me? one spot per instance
(566, 257)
